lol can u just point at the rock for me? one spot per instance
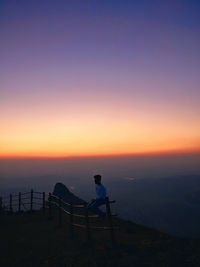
(60, 190)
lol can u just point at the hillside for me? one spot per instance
(31, 239)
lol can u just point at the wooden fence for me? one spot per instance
(28, 201)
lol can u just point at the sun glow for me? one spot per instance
(93, 133)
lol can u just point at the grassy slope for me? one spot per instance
(32, 240)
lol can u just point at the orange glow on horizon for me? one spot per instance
(78, 127)
(147, 153)
(97, 135)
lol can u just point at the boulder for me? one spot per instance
(60, 190)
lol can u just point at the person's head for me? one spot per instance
(97, 179)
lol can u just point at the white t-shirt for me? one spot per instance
(100, 191)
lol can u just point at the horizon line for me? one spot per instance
(168, 152)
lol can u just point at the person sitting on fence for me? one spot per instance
(100, 197)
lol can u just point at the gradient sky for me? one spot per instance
(99, 77)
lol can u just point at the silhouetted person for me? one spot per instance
(100, 197)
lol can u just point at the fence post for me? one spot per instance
(59, 213)
(31, 204)
(71, 220)
(11, 209)
(87, 225)
(19, 204)
(110, 220)
(49, 205)
(43, 202)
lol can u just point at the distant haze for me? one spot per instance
(83, 169)
(126, 166)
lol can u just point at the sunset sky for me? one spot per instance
(99, 77)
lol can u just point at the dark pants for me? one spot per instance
(94, 206)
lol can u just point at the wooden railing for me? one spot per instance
(29, 201)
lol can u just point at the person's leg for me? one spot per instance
(95, 206)
(89, 206)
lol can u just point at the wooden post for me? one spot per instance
(19, 204)
(49, 205)
(59, 213)
(11, 209)
(87, 226)
(43, 202)
(71, 220)
(31, 203)
(110, 220)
